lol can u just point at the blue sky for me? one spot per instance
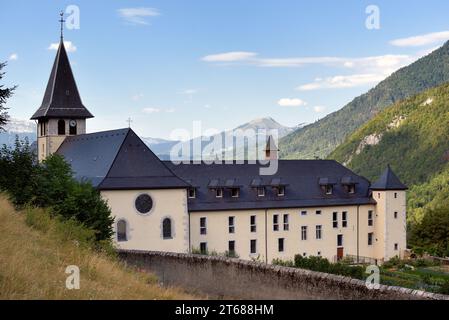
(168, 63)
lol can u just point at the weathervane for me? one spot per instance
(62, 24)
(129, 122)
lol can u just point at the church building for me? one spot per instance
(309, 207)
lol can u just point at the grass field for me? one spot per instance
(35, 251)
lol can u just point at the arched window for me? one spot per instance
(121, 231)
(72, 127)
(61, 127)
(166, 229)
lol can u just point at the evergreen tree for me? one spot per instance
(5, 93)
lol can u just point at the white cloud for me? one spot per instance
(138, 16)
(170, 110)
(151, 110)
(13, 57)
(69, 46)
(291, 102)
(421, 40)
(230, 56)
(319, 109)
(338, 82)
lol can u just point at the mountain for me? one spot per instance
(162, 147)
(412, 136)
(22, 128)
(247, 151)
(322, 137)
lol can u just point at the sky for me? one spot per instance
(166, 64)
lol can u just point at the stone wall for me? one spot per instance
(221, 277)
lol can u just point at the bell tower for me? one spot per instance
(62, 112)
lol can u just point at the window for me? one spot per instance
(231, 221)
(370, 218)
(281, 191)
(253, 223)
(344, 218)
(219, 193)
(303, 213)
(192, 193)
(303, 233)
(72, 127)
(166, 229)
(61, 127)
(235, 192)
(378, 195)
(318, 232)
(203, 247)
(329, 189)
(261, 192)
(395, 214)
(396, 247)
(370, 238)
(319, 254)
(340, 240)
(281, 245)
(318, 212)
(276, 222)
(351, 188)
(286, 226)
(203, 229)
(231, 247)
(395, 195)
(144, 203)
(335, 219)
(121, 231)
(253, 246)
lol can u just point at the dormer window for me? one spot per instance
(235, 192)
(327, 185)
(261, 192)
(351, 189)
(192, 193)
(219, 193)
(329, 189)
(281, 191)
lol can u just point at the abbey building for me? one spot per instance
(309, 207)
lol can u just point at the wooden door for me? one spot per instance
(340, 253)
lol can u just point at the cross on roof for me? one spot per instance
(62, 24)
(129, 122)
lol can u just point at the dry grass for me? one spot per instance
(33, 264)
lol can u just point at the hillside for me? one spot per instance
(412, 136)
(322, 137)
(34, 254)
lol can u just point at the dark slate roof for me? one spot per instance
(388, 181)
(137, 167)
(61, 98)
(91, 155)
(301, 178)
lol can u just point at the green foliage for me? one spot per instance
(322, 137)
(320, 264)
(18, 168)
(413, 139)
(432, 233)
(51, 185)
(5, 93)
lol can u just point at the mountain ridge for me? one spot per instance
(322, 137)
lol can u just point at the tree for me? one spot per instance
(432, 233)
(5, 93)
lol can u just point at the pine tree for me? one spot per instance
(5, 93)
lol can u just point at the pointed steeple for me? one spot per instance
(62, 99)
(271, 149)
(388, 181)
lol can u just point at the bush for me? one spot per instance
(321, 264)
(51, 185)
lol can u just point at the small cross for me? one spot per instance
(62, 24)
(129, 122)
